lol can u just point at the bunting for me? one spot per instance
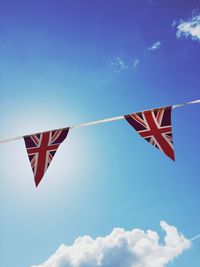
(155, 127)
(41, 149)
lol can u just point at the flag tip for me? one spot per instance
(37, 183)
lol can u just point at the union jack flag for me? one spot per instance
(155, 127)
(41, 149)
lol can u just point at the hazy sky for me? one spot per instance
(67, 62)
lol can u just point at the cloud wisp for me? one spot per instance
(155, 46)
(121, 248)
(189, 28)
(136, 63)
(118, 65)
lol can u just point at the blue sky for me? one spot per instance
(68, 62)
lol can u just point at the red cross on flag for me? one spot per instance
(41, 149)
(155, 127)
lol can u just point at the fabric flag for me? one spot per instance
(155, 127)
(41, 149)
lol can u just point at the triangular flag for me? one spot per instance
(41, 149)
(155, 127)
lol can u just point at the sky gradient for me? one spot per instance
(68, 62)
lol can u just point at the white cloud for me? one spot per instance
(174, 23)
(154, 46)
(135, 63)
(121, 248)
(118, 65)
(189, 28)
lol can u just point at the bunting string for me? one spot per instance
(195, 237)
(116, 118)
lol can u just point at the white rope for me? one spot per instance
(195, 237)
(97, 122)
(188, 103)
